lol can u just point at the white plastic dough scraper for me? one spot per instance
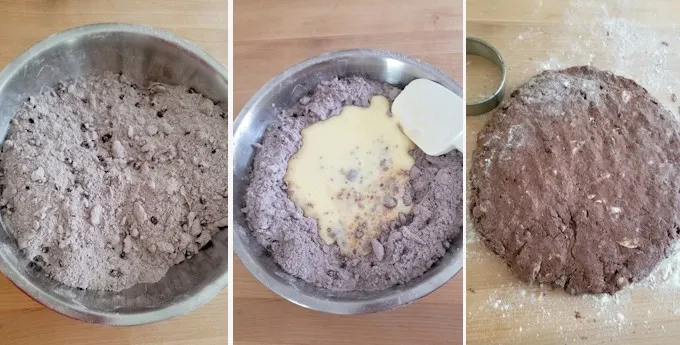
(432, 116)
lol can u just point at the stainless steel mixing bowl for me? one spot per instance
(282, 92)
(144, 55)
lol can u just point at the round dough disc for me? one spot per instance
(575, 181)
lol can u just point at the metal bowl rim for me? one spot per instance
(298, 297)
(75, 310)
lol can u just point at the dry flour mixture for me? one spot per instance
(406, 247)
(107, 184)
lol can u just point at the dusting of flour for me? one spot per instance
(608, 39)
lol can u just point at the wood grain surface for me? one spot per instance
(270, 36)
(24, 23)
(637, 39)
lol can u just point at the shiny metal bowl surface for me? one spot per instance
(144, 55)
(282, 92)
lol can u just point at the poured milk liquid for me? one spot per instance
(350, 174)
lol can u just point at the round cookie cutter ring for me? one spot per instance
(476, 46)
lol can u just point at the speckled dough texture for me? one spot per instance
(575, 181)
(107, 184)
(406, 248)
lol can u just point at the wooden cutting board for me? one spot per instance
(23, 23)
(270, 36)
(638, 39)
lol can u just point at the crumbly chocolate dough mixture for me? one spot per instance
(575, 181)
(107, 184)
(405, 249)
